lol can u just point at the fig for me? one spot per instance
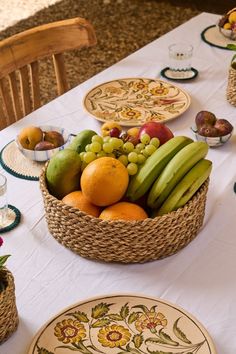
(208, 131)
(44, 145)
(54, 137)
(223, 126)
(205, 118)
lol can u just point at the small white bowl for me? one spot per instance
(44, 155)
(228, 33)
(212, 141)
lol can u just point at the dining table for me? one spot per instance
(200, 278)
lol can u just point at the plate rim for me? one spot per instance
(187, 95)
(201, 327)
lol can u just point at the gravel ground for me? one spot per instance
(122, 26)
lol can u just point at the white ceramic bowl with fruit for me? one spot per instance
(214, 131)
(227, 24)
(40, 143)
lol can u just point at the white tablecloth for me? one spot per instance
(200, 278)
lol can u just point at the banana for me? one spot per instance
(153, 166)
(187, 187)
(174, 171)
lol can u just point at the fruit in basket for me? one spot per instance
(223, 126)
(123, 211)
(63, 173)
(174, 171)
(30, 136)
(186, 188)
(155, 129)
(154, 165)
(44, 145)
(82, 139)
(54, 138)
(104, 181)
(205, 118)
(77, 200)
(108, 126)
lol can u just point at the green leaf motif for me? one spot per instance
(161, 352)
(133, 317)
(115, 317)
(100, 310)
(80, 316)
(43, 351)
(124, 312)
(167, 338)
(67, 347)
(155, 340)
(180, 334)
(137, 340)
(132, 350)
(142, 307)
(101, 323)
(3, 259)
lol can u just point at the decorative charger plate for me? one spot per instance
(212, 36)
(120, 324)
(135, 101)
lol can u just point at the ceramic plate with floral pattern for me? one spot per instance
(132, 102)
(122, 324)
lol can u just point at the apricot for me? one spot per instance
(30, 136)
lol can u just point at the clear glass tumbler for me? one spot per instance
(3, 201)
(180, 56)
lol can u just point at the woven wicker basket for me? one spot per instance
(231, 86)
(8, 312)
(121, 241)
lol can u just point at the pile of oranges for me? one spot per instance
(103, 186)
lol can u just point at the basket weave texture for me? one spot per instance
(231, 86)
(8, 312)
(122, 241)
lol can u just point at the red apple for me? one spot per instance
(156, 130)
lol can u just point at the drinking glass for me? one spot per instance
(3, 201)
(180, 56)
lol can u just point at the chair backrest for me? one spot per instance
(19, 67)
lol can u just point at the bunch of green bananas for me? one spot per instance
(172, 175)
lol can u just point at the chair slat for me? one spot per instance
(15, 95)
(7, 102)
(3, 118)
(60, 71)
(34, 77)
(25, 91)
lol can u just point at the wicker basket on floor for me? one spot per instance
(8, 312)
(122, 241)
(231, 86)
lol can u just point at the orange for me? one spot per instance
(123, 211)
(77, 200)
(104, 181)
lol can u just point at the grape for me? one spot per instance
(116, 143)
(87, 147)
(128, 147)
(145, 139)
(132, 168)
(123, 159)
(95, 147)
(82, 155)
(133, 157)
(141, 159)
(155, 141)
(97, 138)
(150, 149)
(89, 157)
(107, 147)
(139, 147)
(101, 154)
(114, 132)
(106, 139)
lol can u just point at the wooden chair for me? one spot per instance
(19, 64)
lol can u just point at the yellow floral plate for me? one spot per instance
(120, 324)
(132, 102)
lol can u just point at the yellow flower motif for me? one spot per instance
(113, 90)
(106, 115)
(131, 114)
(139, 86)
(69, 331)
(113, 336)
(150, 321)
(159, 90)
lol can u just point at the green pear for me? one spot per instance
(63, 173)
(81, 140)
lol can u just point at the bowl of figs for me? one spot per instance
(214, 131)
(40, 143)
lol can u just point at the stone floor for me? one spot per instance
(122, 26)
